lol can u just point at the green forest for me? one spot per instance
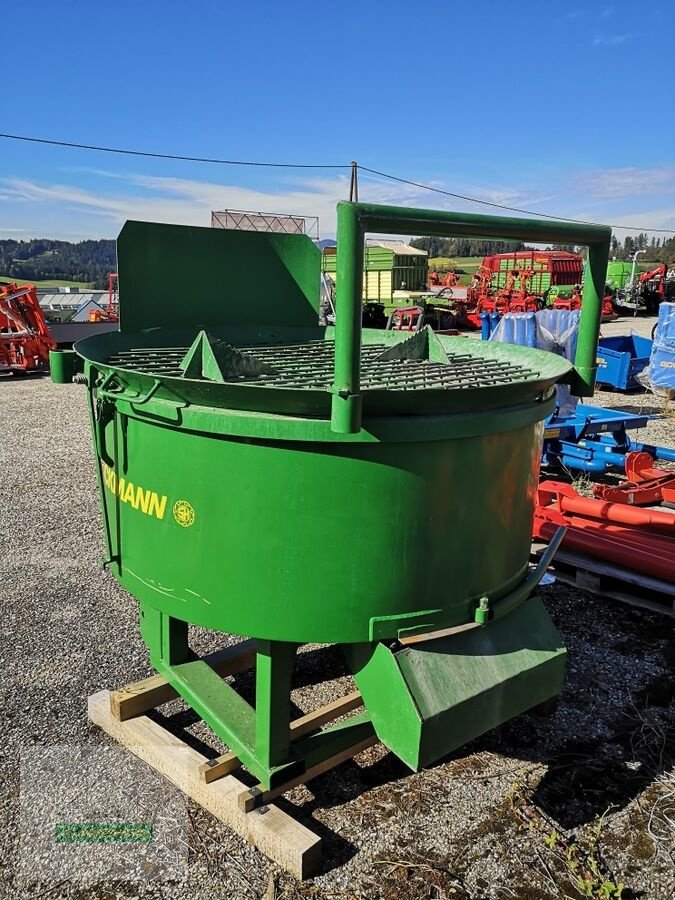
(42, 259)
(655, 249)
(455, 247)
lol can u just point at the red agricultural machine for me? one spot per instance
(25, 339)
(441, 319)
(572, 300)
(111, 312)
(449, 280)
(527, 281)
(655, 286)
(515, 295)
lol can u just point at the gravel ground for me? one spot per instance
(586, 791)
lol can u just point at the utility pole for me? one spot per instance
(354, 184)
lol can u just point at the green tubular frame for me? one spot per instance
(355, 219)
(260, 735)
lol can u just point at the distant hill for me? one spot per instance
(85, 262)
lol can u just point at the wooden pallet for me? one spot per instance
(607, 580)
(211, 783)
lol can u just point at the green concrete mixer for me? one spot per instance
(263, 476)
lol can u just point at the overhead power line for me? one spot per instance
(280, 165)
(527, 212)
(174, 156)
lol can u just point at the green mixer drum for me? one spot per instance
(268, 477)
(341, 542)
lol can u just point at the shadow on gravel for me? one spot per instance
(7, 381)
(641, 409)
(586, 778)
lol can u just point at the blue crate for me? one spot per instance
(621, 358)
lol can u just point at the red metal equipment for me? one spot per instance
(111, 312)
(518, 282)
(564, 498)
(449, 280)
(407, 318)
(549, 267)
(25, 339)
(645, 485)
(413, 318)
(658, 275)
(645, 543)
(514, 296)
(574, 302)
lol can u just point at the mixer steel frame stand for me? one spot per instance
(260, 735)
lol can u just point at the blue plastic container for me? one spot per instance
(621, 358)
(661, 369)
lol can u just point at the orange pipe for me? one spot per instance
(620, 513)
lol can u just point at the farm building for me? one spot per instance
(389, 266)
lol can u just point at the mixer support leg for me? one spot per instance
(165, 636)
(274, 669)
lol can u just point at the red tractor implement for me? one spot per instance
(519, 282)
(414, 318)
(637, 539)
(574, 302)
(111, 312)
(514, 296)
(645, 485)
(449, 280)
(25, 339)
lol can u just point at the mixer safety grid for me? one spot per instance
(309, 365)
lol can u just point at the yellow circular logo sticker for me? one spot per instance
(183, 513)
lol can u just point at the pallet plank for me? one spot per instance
(140, 696)
(613, 594)
(249, 798)
(229, 762)
(276, 834)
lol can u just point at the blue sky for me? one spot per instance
(563, 108)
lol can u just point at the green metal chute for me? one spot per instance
(430, 698)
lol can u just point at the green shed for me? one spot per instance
(389, 266)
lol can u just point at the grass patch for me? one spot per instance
(468, 263)
(49, 282)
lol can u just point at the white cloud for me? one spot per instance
(611, 40)
(654, 218)
(628, 182)
(173, 200)
(189, 201)
(186, 201)
(70, 212)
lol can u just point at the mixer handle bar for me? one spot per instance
(355, 219)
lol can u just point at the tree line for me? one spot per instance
(454, 247)
(656, 249)
(41, 259)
